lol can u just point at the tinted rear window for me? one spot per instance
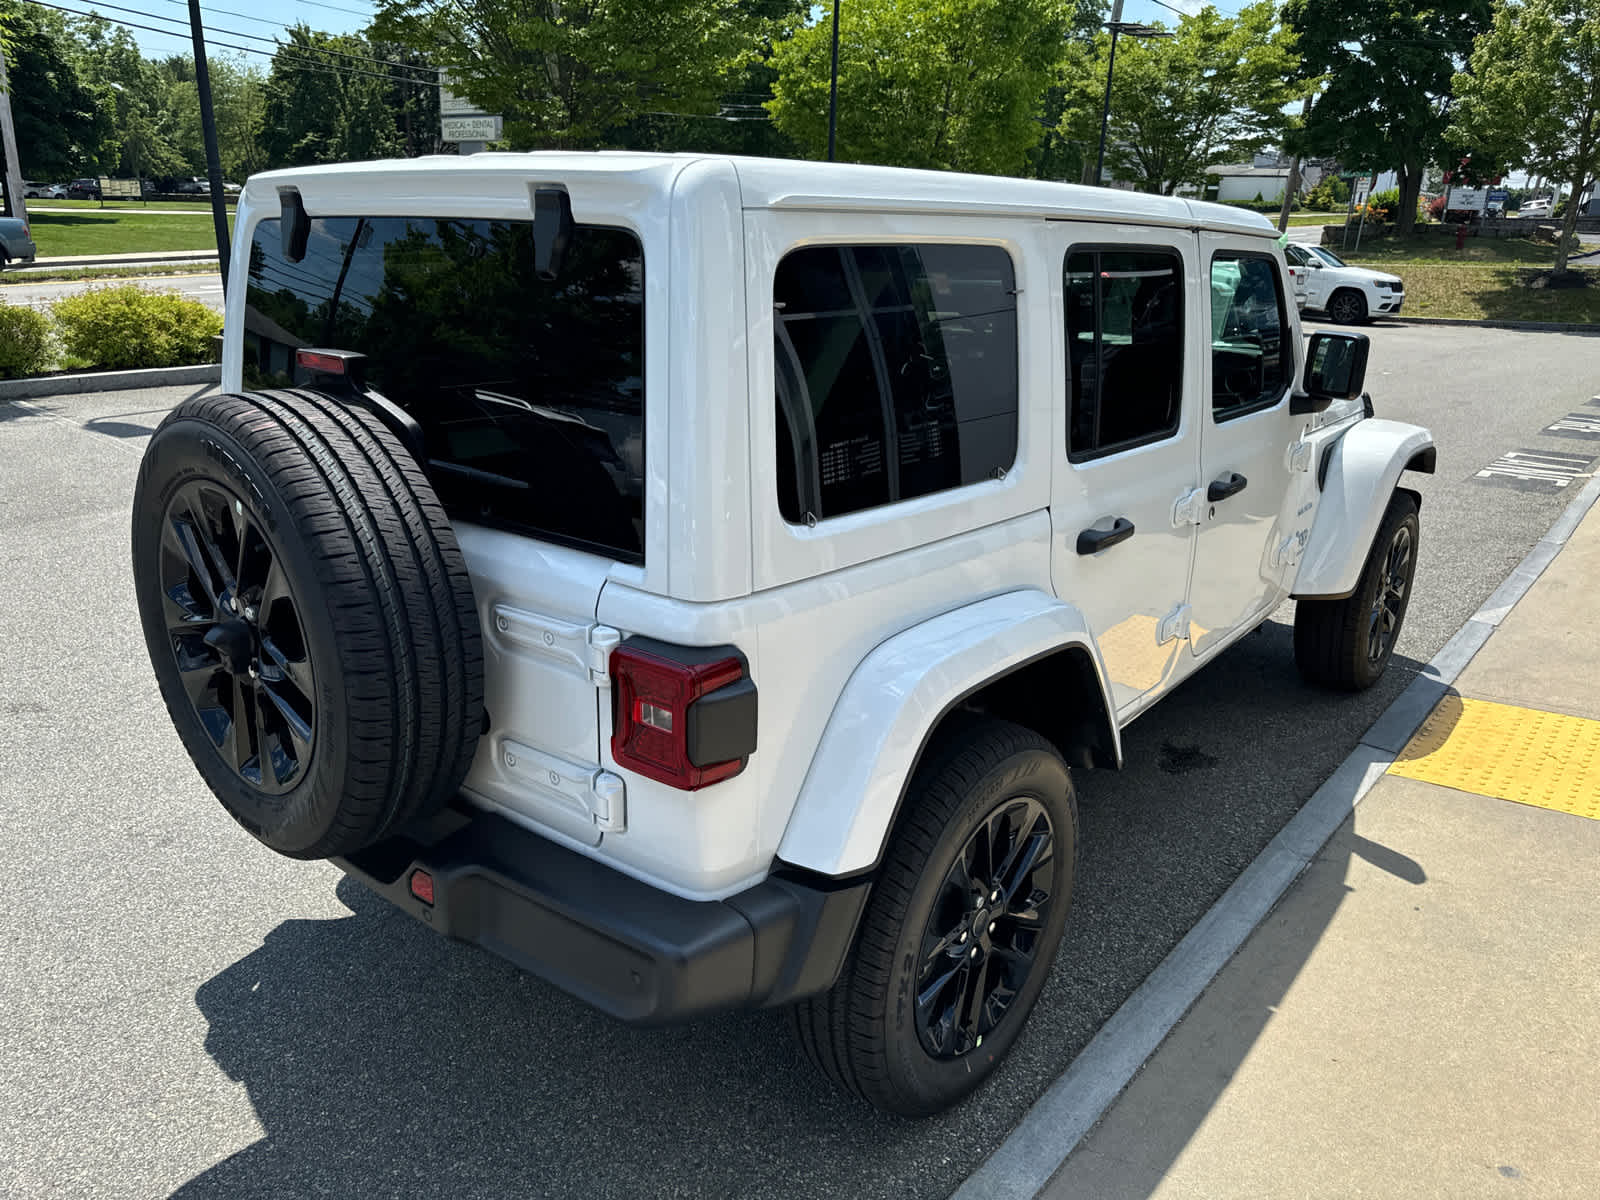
(530, 393)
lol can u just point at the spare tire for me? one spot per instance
(309, 617)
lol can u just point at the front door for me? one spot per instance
(1129, 376)
(1247, 440)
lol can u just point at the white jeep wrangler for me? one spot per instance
(553, 463)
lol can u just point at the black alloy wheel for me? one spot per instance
(1347, 308)
(1388, 605)
(237, 637)
(982, 937)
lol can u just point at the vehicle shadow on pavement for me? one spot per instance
(381, 1058)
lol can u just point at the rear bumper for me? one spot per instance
(643, 955)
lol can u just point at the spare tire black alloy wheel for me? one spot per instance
(236, 637)
(982, 936)
(309, 617)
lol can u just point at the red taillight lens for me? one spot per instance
(650, 733)
(422, 886)
(328, 364)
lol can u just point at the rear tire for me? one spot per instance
(955, 900)
(309, 617)
(1346, 644)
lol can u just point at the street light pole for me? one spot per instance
(1105, 108)
(833, 86)
(1133, 29)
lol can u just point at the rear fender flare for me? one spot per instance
(895, 700)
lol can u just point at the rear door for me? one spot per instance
(1127, 451)
(1247, 438)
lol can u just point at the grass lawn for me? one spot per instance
(1386, 252)
(73, 274)
(1315, 218)
(120, 232)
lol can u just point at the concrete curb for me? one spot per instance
(1072, 1105)
(71, 262)
(1531, 326)
(108, 381)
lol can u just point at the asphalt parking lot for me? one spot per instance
(185, 1012)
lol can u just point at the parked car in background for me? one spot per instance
(16, 242)
(84, 189)
(1539, 209)
(44, 191)
(193, 186)
(1348, 295)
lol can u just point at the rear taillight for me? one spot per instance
(682, 716)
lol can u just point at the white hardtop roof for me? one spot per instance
(804, 185)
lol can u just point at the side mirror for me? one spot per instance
(1336, 369)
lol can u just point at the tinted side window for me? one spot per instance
(896, 371)
(530, 393)
(1250, 359)
(1124, 340)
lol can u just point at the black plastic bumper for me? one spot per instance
(634, 951)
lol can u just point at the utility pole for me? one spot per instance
(1133, 29)
(208, 128)
(833, 85)
(16, 204)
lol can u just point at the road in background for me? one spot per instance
(188, 1011)
(205, 288)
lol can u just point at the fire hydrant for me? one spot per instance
(1461, 237)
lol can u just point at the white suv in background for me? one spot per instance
(1348, 295)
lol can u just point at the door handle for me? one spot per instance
(1221, 489)
(1091, 541)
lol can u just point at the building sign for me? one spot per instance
(460, 120)
(1465, 199)
(471, 128)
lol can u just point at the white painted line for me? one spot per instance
(1080, 1096)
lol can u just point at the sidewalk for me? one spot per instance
(1420, 1015)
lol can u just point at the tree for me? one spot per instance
(58, 122)
(1215, 92)
(950, 84)
(324, 104)
(566, 75)
(1388, 65)
(1531, 96)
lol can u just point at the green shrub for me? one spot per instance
(1383, 206)
(128, 326)
(1331, 195)
(25, 342)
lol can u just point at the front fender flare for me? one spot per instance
(892, 703)
(1363, 468)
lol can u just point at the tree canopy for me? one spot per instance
(925, 83)
(1531, 96)
(1214, 92)
(1388, 66)
(567, 76)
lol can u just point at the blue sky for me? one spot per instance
(227, 21)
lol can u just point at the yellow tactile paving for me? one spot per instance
(1542, 758)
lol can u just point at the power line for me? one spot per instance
(335, 8)
(369, 58)
(278, 58)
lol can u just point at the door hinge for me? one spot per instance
(596, 793)
(602, 641)
(1300, 456)
(1174, 625)
(1189, 508)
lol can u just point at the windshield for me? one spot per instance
(1328, 256)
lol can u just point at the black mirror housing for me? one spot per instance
(1336, 368)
